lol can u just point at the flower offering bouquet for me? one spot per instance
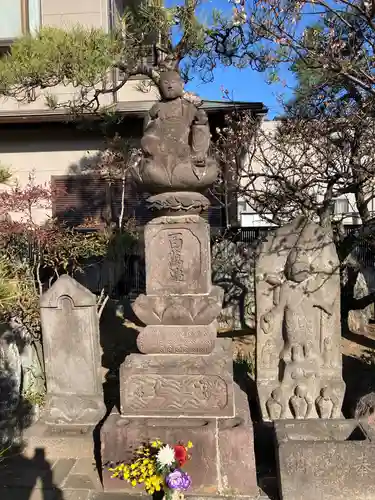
(158, 467)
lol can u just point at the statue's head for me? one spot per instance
(297, 266)
(171, 85)
(297, 352)
(277, 394)
(300, 391)
(325, 392)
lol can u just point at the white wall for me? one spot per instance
(30, 152)
(246, 215)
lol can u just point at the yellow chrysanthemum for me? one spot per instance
(189, 445)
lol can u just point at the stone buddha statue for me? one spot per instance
(175, 143)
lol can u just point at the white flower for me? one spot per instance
(165, 456)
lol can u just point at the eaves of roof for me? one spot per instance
(136, 109)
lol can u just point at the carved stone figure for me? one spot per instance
(298, 313)
(275, 406)
(175, 143)
(268, 354)
(296, 302)
(301, 402)
(324, 404)
(328, 352)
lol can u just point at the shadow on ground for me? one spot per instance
(359, 376)
(20, 476)
(360, 339)
(117, 341)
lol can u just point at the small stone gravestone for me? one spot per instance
(70, 327)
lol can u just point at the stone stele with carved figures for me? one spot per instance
(299, 364)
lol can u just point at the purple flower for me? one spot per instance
(178, 480)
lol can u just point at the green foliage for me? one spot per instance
(245, 363)
(63, 250)
(9, 286)
(29, 263)
(3, 453)
(78, 57)
(5, 174)
(34, 398)
(85, 58)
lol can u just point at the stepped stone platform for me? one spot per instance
(68, 479)
(58, 466)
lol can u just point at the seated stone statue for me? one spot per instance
(175, 143)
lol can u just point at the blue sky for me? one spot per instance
(243, 85)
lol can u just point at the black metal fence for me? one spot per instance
(128, 277)
(133, 280)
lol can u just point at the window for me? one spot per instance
(340, 206)
(118, 8)
(91, 201)
(18, 17)
(241, 208)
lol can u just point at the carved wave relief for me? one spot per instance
(175, 393)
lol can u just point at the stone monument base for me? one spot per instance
(176, 385)
(222, 461)
(325, 459)
(59, 443)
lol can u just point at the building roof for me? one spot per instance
(128, 108)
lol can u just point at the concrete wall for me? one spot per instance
(90, 13)
(45, 154)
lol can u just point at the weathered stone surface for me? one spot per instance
(325, 459)
(223, 460)
(10, 374)
(87, 468)
(358, 320)
(172, 203)
(61, 469)
(70, 329)
(26, 494)
(299, 364)
(178, 257)
(181, 305)
(236, 445)
(58, 442)
(177, 339)
(175, 385)
(175, 143)
(198, 309)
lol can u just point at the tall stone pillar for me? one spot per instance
(181, 305)
(180, 386)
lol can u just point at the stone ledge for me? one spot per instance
(48, 494)
(124, 496)
(58, 445)
(71, 494)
